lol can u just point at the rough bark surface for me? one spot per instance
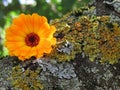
(102, 8)
(79, 74)
(107, 7)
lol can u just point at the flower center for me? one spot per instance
(32, 39)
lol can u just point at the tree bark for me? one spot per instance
(107, 7)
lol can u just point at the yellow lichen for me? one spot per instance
(26, 79)
(96, 37)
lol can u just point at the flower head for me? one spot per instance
(30, 35)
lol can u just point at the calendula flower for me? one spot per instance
(30, 35)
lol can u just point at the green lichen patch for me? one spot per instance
(96, 37)
(26, 79)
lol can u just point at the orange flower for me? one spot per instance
(30, 35)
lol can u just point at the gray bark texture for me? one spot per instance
(107, 7)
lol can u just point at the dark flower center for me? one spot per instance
(32, 39)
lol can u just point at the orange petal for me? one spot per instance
(23, 26)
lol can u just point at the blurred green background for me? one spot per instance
(50, 8)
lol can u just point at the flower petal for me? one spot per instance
(30, 35)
